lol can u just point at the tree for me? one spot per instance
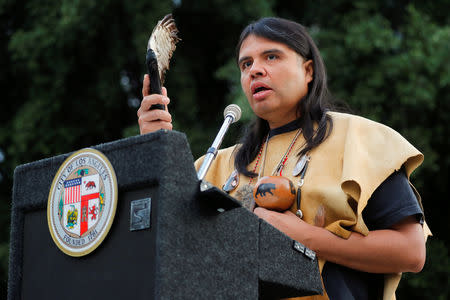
(72, 73)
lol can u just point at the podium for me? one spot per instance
(200, 244)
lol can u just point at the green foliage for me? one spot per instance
(72, 74)
(230, 72)
(398, 76)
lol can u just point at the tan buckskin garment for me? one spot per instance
(343, 173)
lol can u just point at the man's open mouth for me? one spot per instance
(259, 89)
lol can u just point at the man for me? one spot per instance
(355, 207)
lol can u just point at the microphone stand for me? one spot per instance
(210, 195)
(232, 114)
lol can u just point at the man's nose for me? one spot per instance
(257, 69)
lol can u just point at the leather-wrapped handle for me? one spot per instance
(153, 72)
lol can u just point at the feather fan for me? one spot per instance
(163, 43)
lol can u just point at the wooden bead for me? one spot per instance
(274, 193)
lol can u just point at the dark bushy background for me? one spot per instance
(71, 74)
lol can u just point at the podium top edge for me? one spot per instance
(103, 147)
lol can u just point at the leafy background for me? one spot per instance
(71, 76)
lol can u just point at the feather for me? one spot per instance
(163, 43)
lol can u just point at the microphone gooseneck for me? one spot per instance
(232, 113)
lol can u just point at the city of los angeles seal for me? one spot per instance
(82, 202)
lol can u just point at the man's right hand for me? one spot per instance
(155, 119)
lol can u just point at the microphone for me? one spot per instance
(232, 113)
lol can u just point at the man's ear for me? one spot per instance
(309, 70)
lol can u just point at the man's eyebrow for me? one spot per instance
(274, 50)
(265, 52)
(242, 59)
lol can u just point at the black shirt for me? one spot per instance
(392, 201)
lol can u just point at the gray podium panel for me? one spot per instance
(190, 250)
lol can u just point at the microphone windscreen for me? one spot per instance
(234, 111)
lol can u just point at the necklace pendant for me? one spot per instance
(245, 196)
(232, 182)
(300, 165)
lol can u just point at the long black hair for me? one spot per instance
(311, 109)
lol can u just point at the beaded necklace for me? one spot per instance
(265, 141)
(245, 193)
(279, 168)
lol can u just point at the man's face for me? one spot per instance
(274, 79)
